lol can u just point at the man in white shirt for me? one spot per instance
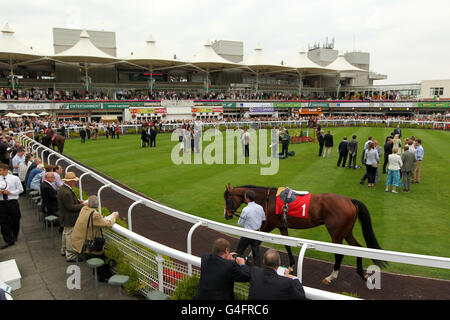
(9, 206)
(17, 160)
(251, 218)
(245, 138)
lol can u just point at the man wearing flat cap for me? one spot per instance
(69, 208)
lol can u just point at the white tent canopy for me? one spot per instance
(303, 64)
(257, 62)
(12, 50)
(208, 59)
(84, 51)
(342, 65)
(152, 56)
(43, 114)
(33, 115)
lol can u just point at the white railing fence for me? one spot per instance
(304, 244)
(167, 127)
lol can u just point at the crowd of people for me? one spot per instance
(402, 159)
(49, 94)
(22, 173)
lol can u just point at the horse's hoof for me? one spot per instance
(326, 281)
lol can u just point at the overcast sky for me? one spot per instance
(407, 40)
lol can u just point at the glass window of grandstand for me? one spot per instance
(436, 91)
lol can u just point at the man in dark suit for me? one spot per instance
(83, 135)
(267, 284)
(352, 148)
(328, 144)
(321, 138)
(219, 271)
(387, 151)
(144, 137)
(343, 152)
(49, 195)
(153, 134)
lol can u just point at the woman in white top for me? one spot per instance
(397, 143)
(393, 177)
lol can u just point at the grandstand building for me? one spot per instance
(84, 66)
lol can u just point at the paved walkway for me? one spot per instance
(43, 269)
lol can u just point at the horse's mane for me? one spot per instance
(249, 186)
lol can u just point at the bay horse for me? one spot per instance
(337, 212)
(54, 140)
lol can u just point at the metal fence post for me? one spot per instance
(81, 187)
(301, 256)
(130, 223)
(100, 198)
(189, 242)
(160, 261)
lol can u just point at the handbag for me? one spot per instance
(375, 165)
(96, 244)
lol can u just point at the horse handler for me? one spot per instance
(251, 218)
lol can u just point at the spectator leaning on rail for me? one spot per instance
(267, 284)
(219, 270)
(82, 232)
(69, 208)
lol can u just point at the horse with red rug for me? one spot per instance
(287, 208)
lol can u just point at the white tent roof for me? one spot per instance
(342, 65)
(43, 114)
(11, 48)
(258, 62)
(151, 55)
(84, 51)
(209, 59)
(302, 63)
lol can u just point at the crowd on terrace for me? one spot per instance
(48, 94)
(17, 124)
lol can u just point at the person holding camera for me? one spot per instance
(267, 284)
(88, 227)
(219, 270)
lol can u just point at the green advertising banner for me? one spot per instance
(122, 105)
(287, 104)
(83, 106)
(223, 104)
(319, 104)
(434, 104)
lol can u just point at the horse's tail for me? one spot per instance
(369, 235)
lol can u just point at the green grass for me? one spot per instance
(415, 222)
